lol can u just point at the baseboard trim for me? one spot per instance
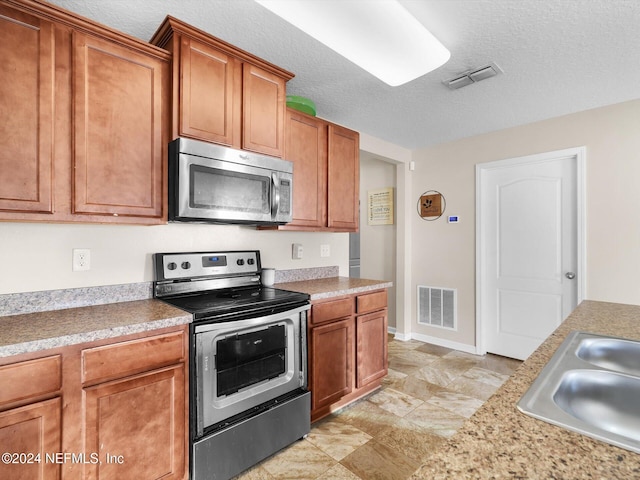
(462, 347)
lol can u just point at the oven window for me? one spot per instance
(215, 189)
(245, 359)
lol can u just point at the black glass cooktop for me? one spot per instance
(229, 301)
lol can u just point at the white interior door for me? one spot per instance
(528, 249)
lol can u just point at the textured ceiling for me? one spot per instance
(558, 57)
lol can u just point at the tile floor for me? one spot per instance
(427, 395)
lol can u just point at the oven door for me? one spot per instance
(242, 364)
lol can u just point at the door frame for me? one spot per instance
(579, 154)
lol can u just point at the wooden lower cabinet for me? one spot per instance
(29, 435)
(371, 347)
(332, 359)
(136, 426)
(110, 409)
(347, 350)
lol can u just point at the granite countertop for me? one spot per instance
(334, 286)
(33, 332)
(42, 330)
(498, 441)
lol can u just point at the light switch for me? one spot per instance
(296, 251)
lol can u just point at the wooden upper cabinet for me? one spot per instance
(306, 147)
(343, 179)
(210, 94)
(263, 107)
(118, 129)
(326, 174)
(222, 94)
(84, 118)
(27, 49)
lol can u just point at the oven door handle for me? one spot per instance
(199, 393)
(275, 195)
(249, 322)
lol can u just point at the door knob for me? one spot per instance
(570, 275)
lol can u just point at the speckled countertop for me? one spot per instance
(334, 286)
(33, 332)
(500, 442)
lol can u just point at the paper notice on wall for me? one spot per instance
(380, 206)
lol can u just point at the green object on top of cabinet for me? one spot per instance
(301, 104)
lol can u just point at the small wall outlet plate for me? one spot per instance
(296, 251)
(81, 259)
(325, 250)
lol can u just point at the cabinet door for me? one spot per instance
(137, 426)
(344, 179)
(119, 122)
(27, 49)
(263, 107)
(371, 347)
(306, 146)
(331, 362)
(35, 431)
(210, 94)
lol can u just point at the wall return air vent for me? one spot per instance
(437, 307)
(473, 76)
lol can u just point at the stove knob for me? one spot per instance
(186, 265)
(172, 266)
(240, 262)
(251, 261)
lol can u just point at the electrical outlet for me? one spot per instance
(325, 250)
(81, 259)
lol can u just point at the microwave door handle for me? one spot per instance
(275, 197)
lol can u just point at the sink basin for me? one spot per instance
(591, 385)
(606, 400)
(611, 353)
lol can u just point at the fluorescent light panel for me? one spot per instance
(380, 36)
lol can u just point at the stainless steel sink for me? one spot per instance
(591, 385)
(615, 354)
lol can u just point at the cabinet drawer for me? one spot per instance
(371, 302)
(126, 358)
(326, 311)
(30, 379)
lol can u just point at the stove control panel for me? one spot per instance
(177, 266)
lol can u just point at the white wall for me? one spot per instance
(378, 242)
(444, 254)
(36, 256)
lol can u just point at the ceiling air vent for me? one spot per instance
(473, 76)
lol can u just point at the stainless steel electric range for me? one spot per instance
(248, 358)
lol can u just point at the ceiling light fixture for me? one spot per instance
(381, 37)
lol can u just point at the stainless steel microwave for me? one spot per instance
(215, 184)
